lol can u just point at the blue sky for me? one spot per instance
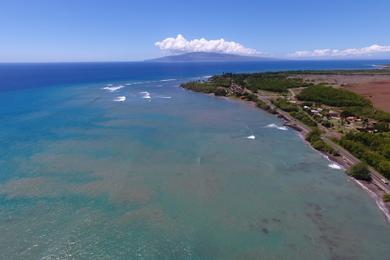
(97, 30)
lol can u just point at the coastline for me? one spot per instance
(373, 190)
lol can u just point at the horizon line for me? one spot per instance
(160, 62)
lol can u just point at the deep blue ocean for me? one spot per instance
(116, 161)
(32, 75)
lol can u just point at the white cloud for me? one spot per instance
(352, 52)
(182, 45)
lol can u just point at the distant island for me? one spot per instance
(209, 57)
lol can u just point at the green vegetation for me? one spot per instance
(360, 172)
(368, 112)
(314, 138)
(217, 84)
(378, 142)
(250, 96)
(386, 197)
(352, 104)
(304, 118)
(270, 81)
(332, 96)
(220, 81)
(373, 148)
(275, 82)
(295, 111)
(220, 91)
(326, 123)
(284, 105)
(261, 104)
(200, 86)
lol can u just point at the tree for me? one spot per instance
(382, 127)
(360, 172)
(384, 168)
(220, 91)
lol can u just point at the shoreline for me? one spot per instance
(373, 190)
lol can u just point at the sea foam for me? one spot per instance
(165, 80)
(120, 99)
(111, 88)
(145, 95)
(283, 128)
(251, 137)
(335, 166)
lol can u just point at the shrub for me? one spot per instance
(250, 96)
(304, 118)
(382, 127)
(284, 105)
(261, 104)
(314, 138)
(220, 91)
(327, 123)
(384, 167)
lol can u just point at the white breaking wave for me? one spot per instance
(135, 83)
(335, 166)
(251, 137)
(120, 99)
(332, 164)
(145, 95)
(165, 80)
(113, 88)
(166, 97)
(283, 128)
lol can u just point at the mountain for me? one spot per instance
(208, 57)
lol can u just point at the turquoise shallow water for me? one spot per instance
(170, 177)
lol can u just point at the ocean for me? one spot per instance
(116, 161)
